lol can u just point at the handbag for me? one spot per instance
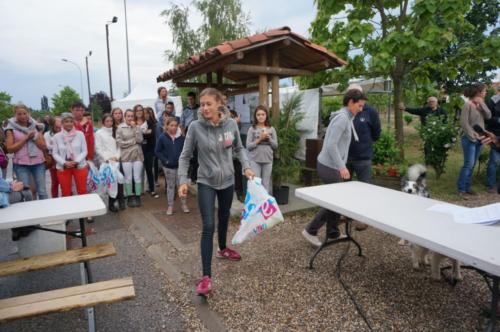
(4, 161)
(49, 160)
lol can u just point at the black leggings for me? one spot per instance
(206, 202)
(148, 167)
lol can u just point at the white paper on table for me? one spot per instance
(447, 208)
(485, 214)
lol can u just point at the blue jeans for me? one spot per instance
(206, 202)
(472, 150)
(491, 171)
(23, 173)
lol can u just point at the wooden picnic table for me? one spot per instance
(37, 213)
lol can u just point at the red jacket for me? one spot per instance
(88, 130)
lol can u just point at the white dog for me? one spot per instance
(414, 183)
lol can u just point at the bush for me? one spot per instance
(438, 137)
(408, 119)
(285, 165)
(385, 150)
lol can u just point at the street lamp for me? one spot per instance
(80, 70)
(114, 20)
(126, 39)
(87, 67)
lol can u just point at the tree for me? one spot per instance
(44, 103)
(5, 106)
(62, 102)
(222, 20)
(483, 19)
(396, 38)
(102, 100)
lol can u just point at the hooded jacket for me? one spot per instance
(337, 140)
(215, 145)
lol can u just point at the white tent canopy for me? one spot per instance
(146, 95)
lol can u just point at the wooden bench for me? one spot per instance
(59, 258)
(66, 299)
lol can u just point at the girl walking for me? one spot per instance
(261, 143)
(69, 150)
(168, 150)
(129, 140)
(216, 137)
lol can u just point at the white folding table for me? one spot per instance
(35, 214)
(406, 216)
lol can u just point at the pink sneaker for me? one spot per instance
(228, 254)
(204, 286)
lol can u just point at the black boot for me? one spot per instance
(121, 203)
(131, 201)
(137, 200)
(111, 205)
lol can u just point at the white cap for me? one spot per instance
(355, 86)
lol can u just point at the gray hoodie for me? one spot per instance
(337, 139)
(215, 145)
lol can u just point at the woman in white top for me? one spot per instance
(69, 150)
(55, 127)
(108, 152)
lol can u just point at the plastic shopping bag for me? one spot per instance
(109, 177)
(260, 212)
(93, 179)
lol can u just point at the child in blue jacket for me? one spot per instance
(168, 150)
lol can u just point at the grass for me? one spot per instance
(444, 188)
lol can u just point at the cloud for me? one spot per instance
(37, 34)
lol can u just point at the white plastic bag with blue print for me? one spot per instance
(93, 179)
(109, 177)
(260, 212)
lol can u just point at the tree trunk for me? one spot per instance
(398, 114)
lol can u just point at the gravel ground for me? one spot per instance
(272, 288)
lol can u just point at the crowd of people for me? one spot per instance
(203, 146)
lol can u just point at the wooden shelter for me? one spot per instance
(252, 62)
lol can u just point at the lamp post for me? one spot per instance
(114, 20)
(80, 70)
(88, 82)
(88, 77)
(126, 39)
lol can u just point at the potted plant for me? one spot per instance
(285, 164)
(387, 166)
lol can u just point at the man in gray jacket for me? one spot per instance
(332, 161)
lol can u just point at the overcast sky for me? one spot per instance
(35, 35)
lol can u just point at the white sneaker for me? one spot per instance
(170, 211)
(313, 239)
(185, 208)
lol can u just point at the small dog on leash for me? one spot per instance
(414, 183)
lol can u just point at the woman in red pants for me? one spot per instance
(69, 150)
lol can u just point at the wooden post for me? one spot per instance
(209, 79)
(275, 86)
(219, 79)
(263, 88)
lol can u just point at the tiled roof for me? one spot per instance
(196, 62)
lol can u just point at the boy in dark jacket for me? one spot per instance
(168, 150)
